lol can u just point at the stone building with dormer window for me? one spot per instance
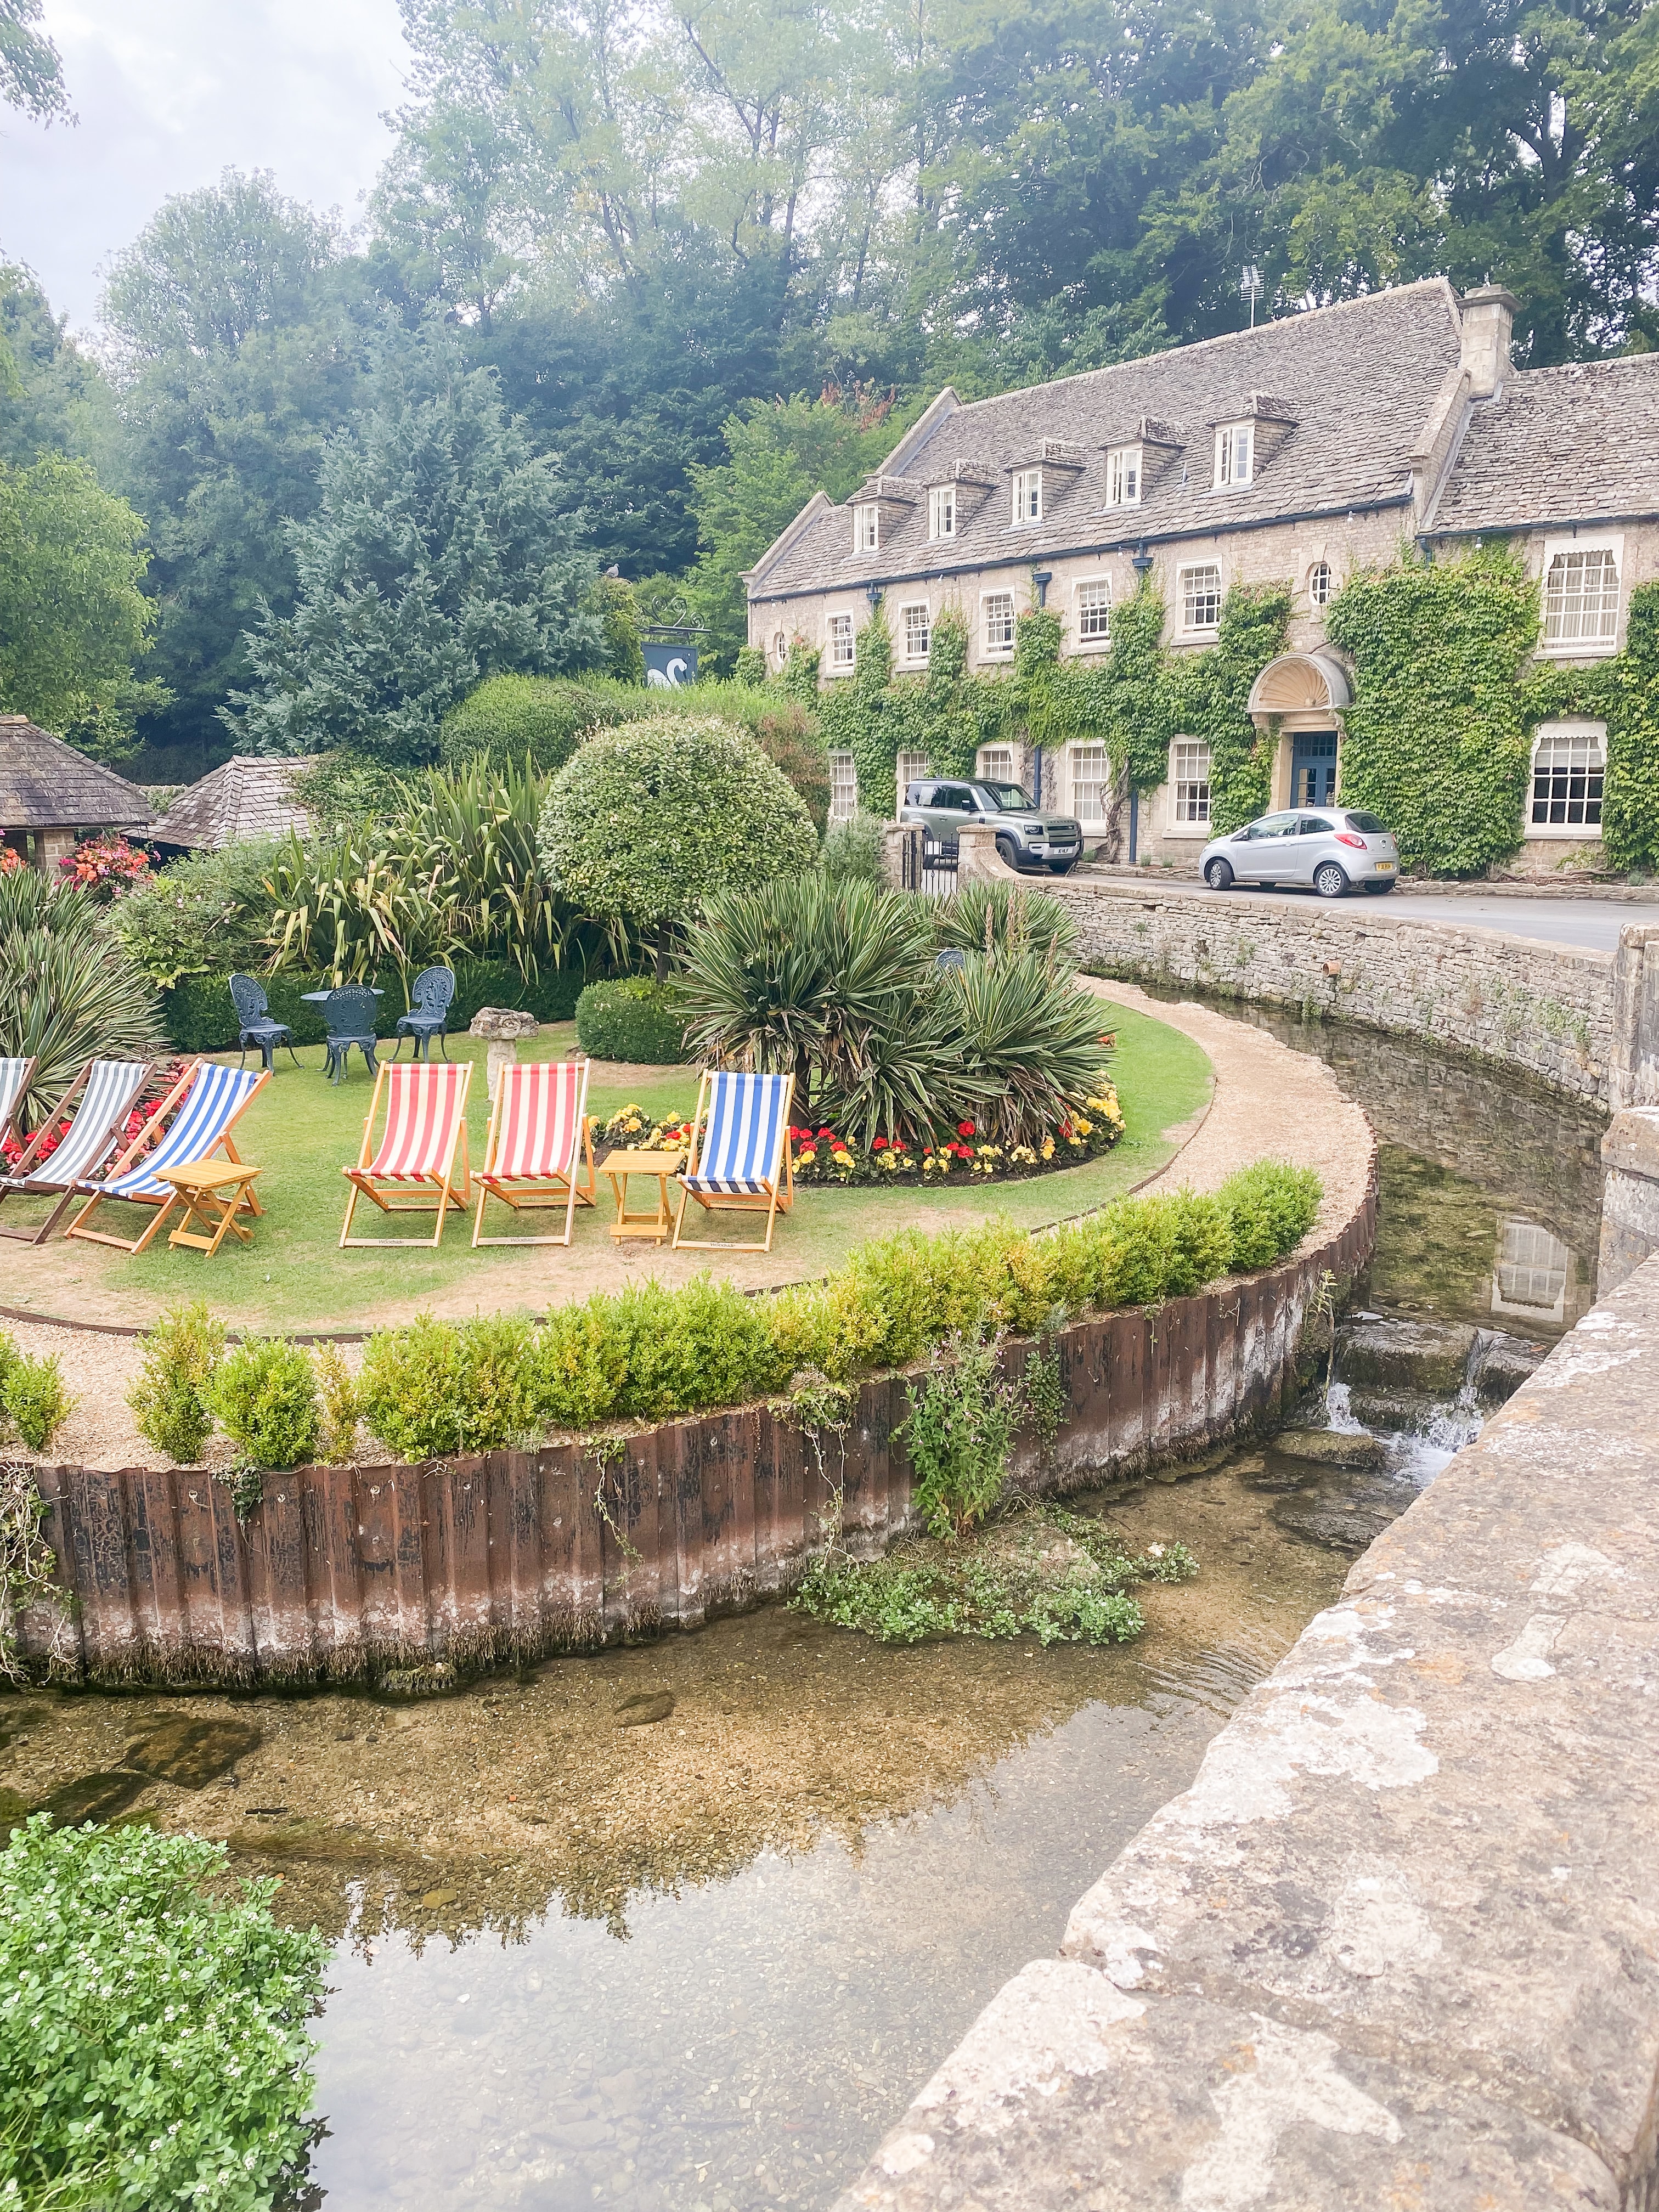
(1298, 451)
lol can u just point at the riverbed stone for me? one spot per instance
(1316, 1447)
(190, 1751)
(642, 1711)
(1428, 1358)
(1399, 1943)
(1505, 1363)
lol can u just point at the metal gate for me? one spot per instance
(927, 864)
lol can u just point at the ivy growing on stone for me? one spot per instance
(1624, 693)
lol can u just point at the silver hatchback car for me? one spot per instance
(1327, 847)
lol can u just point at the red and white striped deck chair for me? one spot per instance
(425, 1127)
(538, 1136)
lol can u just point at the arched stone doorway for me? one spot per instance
(1303, 694)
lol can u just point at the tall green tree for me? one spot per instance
(73, 618)
(31, 67)
(778, 454)
(443, 549)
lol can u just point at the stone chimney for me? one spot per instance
(1488, 318)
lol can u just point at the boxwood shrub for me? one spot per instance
(649, 1352)
(632, 1018)
(200, 1017)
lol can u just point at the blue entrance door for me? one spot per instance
(1313, 768)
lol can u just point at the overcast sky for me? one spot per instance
(171, 92)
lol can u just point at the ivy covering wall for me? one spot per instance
(1438, 741)
(1133, 699)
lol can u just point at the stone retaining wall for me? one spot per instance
(347, 1572)
(1398, 1946)
(1546, 1008)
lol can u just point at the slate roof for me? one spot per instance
(1358, 383)
(46, 785)
(1558, 445)
(248, 797)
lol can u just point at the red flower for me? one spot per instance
(1065, 1129)
(880, 1145)
(964, 1128)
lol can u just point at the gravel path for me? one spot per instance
(1267, 1101)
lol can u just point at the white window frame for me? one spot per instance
(843, 786)
(986, 650)
(1077, 757)
(1027, 507)
(1235, 455)
(910, 768)
(1092, 641)
(866, 527)
(1125, 469)
(909, 657)
(942, 512)
(1581, 648)
(1188, 812)
(1530, 1274)
(1316, 569)
(1189, 628)
(1573, 733)
(986, 754)
(841, 627)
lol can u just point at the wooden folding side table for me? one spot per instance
(660, 1222)
(213, 1192)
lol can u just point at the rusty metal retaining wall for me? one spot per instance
(348, 1572)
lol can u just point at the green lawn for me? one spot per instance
(302, 1130)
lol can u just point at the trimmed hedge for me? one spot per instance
(648, 1353)
(631, 1018)
(200, 1016)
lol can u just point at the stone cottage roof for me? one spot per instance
(1339, 397)
(46, 785)
(1579, 444)
(248, 797)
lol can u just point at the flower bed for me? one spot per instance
(822, 1156)
(634, 1130)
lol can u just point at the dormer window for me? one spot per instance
(942, 511)
(866, 528)
(1234, 451)
(1124, 477)
(1028, 496)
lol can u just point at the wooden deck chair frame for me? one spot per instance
(779, 1187)
(532, 1194)
(9, 1111)
(162, 1206)
(16, 1184)
(449, 1193)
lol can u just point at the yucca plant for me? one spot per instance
(831, 981)
(68, 992)
(483, 821)
(1026, 1038)
(994, 917)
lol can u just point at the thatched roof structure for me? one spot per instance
(248, 797)
(46, 785)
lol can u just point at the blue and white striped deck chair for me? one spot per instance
(740, 1160)
(214, 1101)
(107, 1090)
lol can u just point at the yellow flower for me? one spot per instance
(1047, 1148)
(1083, 1129)
(889, 1161)
(843, 1159)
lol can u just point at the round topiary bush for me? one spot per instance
(629, 1018)
(646, 821)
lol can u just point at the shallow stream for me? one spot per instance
(705, 1961)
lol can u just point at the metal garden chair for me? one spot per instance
(349, 1017)
(256, 1025)
(429, 1012)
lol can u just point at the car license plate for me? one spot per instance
(1384, 867)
